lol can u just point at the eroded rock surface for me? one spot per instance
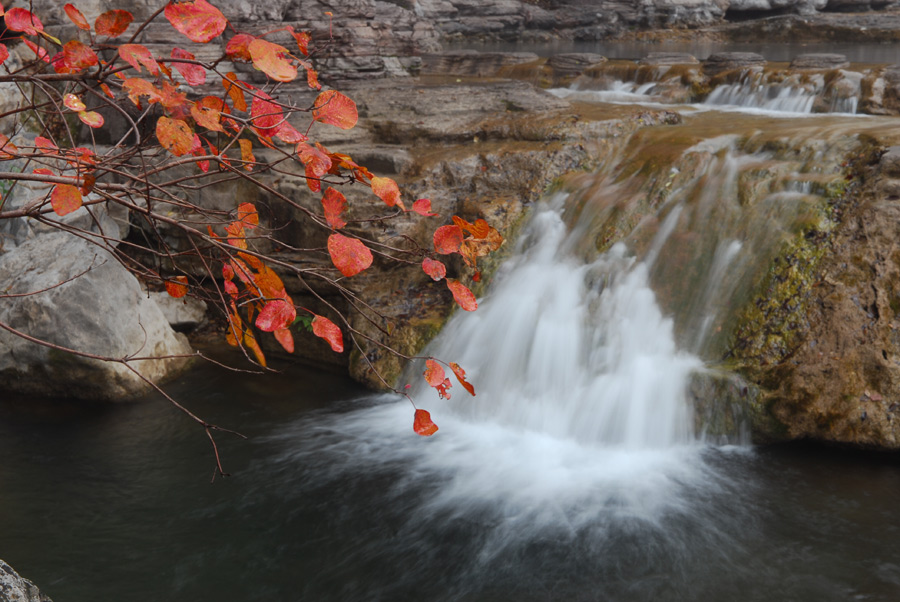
(15, 588)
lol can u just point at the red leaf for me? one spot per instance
(386, 189)
(137, 87)
(461, 377)
(324, 328)
(76, 17)
(349, 255)
(65, 199)
(72, 101)
(77, 56)
(175, 135)
(283, 336)
(317, 162)
(434, 268)
(423, 207)
(137, 55)
(289, 134)
(252, 345)
(194, 75)
(113, 23)
(267, 116)
(303, 40)
(45, 144)
(434, 373)
(423, 425)
(462, 295)
(447, 239)
(272, 60)
(38, 51)
(276, 315)
(335, 109)
(91, 118)
(19, 19)
(177, 289)
(200, 21)
(334, 204)
(231, 288)
(236, 48)
(7, 148)
(4, 53)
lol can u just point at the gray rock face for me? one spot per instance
(669, 58)
(730, 61)
(15, 588)
(89, 303)
(471, 62)
(820, 61)
(574, 64)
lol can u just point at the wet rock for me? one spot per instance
(669, 58)
(574, 64)
(15, 588)
(820, 61)
(890, 162)
(731, 61)
(474, 63)
(724, 405)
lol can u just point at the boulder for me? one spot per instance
(721, 62)
(73, 294)
(15, 588)
(185, 314)
(820, 61)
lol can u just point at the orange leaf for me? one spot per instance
(42, 171)
(76, 17)
(175, 135)
(45, 145)
(177, 289)
(207, 117)
(72, 101)
(65, 199)
(447, 239)
(335, 109)
(234, 91)
(252, 345)
(461, 377)
(247, 154)
(194, 75)
(235, 326)
(386, 189)
(91, 118)
(137, 55)
(77, 56)
(7, 148)
(324, 328)
(19, 19)
(87, 183)
(236, 48)
(434, 268)
(434, 373)
(113, 23)
(283, 336)
(107, 91)
(247, 215)
(277, 314)
(423, 425)
(334, 203)
(312, 180)
(236, 236)
(312, 78)
(349, 255)
(462, 295)
(271, 59)
(137, 87)
(266, 115)
(200, 21)
(423, 207)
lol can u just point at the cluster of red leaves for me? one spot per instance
(211, 130)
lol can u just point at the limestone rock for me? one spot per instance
(184, 315)
(730, 61)
(474, 63)
(89, 303)
(669, 58)
(15, 588)
(574, 64)
(820, 61)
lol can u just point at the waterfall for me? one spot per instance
(570, 349)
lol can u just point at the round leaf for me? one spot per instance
(447, 239)
(271, 59)
(200, 21)
(423, 425)
(65, 199)
(113, 23)
(349, 255)
(462, 295)
(335, 109)
(324, 328)
(175, 135)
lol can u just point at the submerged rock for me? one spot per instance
(721, 62)
(15, 588)
(574, 64)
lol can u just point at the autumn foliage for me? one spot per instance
(182, 112)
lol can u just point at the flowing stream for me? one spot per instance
(578, 472)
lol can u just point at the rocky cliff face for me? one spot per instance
(14, 588)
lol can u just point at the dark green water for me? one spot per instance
(334, 498)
